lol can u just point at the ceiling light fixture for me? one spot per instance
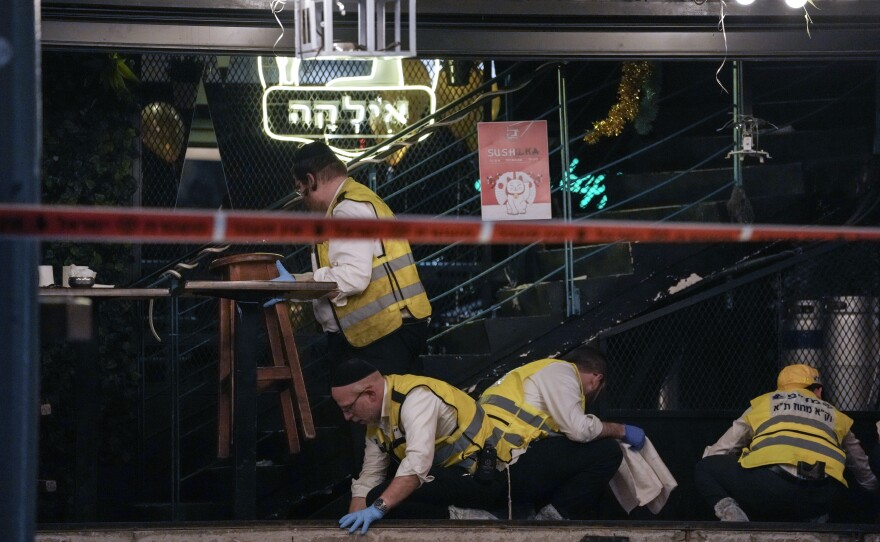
(745, 2)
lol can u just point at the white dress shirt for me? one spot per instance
(424, 417)
(739, 435)
(556, 390)
(351, 263)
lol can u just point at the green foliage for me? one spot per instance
(89, 144)
(648, 106)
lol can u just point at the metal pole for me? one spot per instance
(572, 296)
(19, 335)
(737, 127)
(876, 109)
(174, 361)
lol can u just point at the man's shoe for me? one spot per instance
(549, 513)
(469, 513)
(728, 509)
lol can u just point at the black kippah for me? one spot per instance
(350, 372)
(312, 150)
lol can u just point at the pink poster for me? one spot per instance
(514, 170)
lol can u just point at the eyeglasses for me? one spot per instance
(347, 408)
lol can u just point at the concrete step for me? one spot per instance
(539, 299)
(467, 531)
(456, 368)
(494, 335)
(789, 209)
(845, 145)
(758, 180)
(591, 260)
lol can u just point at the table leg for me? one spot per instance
(245, 408)
(88, 409)
(224, 377)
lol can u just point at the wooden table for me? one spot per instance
(258, 290)
(128, 293)
(66, 315)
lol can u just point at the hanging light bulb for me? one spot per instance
(796, 3)
(745, 2)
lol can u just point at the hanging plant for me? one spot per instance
(89, 144)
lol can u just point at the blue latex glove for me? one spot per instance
(363, 517)
(634, 436)
(283, 275)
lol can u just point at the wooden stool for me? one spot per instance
(285, 373)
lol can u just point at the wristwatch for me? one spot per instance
(380, 505)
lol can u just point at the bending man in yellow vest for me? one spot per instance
(564, 477)
(784, 458)
(428, 431)
(380, 310)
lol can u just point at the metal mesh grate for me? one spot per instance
(723, 351)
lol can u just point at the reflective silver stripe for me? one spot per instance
(466, 463)
(796, 420)
(468, 436)
(516, 440)
(506, 404)
(800, 443)
(383, 302)
(395, 265)
(401, 261)
(497, 434)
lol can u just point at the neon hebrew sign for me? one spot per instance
(348, 113)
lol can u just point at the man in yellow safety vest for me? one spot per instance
(380, 310)
(562, 477)
(429, 432)
(784, 458)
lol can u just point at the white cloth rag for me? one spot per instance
(642, 479)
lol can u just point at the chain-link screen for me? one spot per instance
(220, 132)
(721, 352)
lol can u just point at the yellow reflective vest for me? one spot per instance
(471, 434)
(793, 426)
(518, 422)
(394, 284)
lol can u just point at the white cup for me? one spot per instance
(65, 275)
(47, 276)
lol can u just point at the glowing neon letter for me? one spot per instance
(298, 112)
(360, 111)
(332, 112)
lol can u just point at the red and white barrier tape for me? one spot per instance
(115, 224)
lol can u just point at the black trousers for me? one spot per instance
(451, 486)
(762, 493)
(874, 460)
(572, 476)
(396, 353)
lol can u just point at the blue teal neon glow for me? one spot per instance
(589, 187)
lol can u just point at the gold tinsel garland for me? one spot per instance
(632, 79)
